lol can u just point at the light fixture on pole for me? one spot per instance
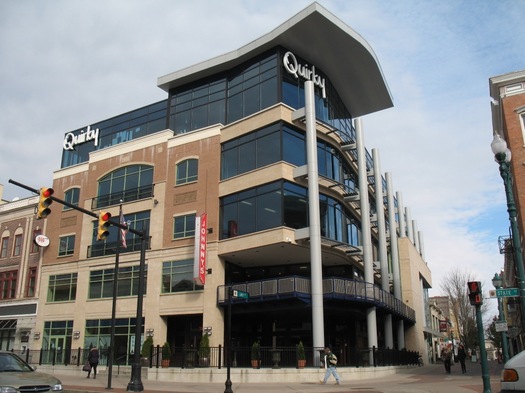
(502, 156)
(497, 281)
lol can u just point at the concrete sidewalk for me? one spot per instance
(428, 379)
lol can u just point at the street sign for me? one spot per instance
(502, 326)
(507, 292)
(241, 294)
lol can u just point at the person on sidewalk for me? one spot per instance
(330, 361)
(93, 356)
(462, 356)
(447, 359)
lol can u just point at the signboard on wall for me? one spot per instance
(201, 239)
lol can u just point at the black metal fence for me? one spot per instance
(241, 357)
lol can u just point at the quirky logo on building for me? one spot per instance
(293, 67)
(71, 140)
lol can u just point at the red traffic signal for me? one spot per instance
(474, 287)
(45, 200)
(103, 225)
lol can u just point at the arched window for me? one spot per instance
(71, 196)
(125, 184)
(187, 171)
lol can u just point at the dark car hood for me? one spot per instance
(26, 378)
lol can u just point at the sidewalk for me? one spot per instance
(427, 379)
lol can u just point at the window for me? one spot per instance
(71, 196)
(3, 250)
(31, 282)
(177, 276)
(129, 183)
(187, 171)
(96, 332)
(67, 245)
(62, 288)
(184, 226)
(8, 284)
(101, 282)
(17, 249)
(34, 247)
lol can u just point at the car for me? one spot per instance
(513, 374)
(16, 376)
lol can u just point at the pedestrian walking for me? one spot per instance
(330, 362)
(93, 356)
(462, 356)
(447, 359)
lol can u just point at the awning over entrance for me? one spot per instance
(7, 324)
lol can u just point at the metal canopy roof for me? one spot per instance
(324, 41)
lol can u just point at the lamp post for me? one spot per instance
(502, 156)
(498, 283)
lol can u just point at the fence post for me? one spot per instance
(220, 356)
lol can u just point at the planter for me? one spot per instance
(256, 363)
(204, 362)
(165, 363)
(301, 363)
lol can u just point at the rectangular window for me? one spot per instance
(3, 251)
(34, 247)
(101, 282)
(177, 276)
(17, 249)
(67, 245)
(31, 282)
(184, 226)
(8, 284)
(62, 288)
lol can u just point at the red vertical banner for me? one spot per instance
(201, 240)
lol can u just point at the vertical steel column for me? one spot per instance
(366, 233)
(382, 248)
(315, 219)
(401, 214)
(394, 252)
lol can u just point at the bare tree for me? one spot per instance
(463, 313)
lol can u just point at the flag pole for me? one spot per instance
(114, 304)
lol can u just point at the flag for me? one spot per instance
(123, 231)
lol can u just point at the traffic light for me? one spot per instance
(45, 200)
(474, 293)
(103, 225)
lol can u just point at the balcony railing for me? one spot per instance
(110, 248)
(334, 288)
(133, 194)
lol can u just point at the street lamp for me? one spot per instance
(498, 283)
(502, 156)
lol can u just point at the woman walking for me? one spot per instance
(93, 356)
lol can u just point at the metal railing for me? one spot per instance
(299, 287)
(133, 194)
(267, 357)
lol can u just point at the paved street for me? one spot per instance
(428, 379)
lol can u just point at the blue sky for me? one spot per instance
(67, 64)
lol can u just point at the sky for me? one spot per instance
(65, 64)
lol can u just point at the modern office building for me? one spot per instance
(508, 121)
(218, 177)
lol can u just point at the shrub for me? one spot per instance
(300, 351)
(166, 351)
(204, 346)
(255, 350)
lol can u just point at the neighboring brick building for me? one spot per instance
(508, 121)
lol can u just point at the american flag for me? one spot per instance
(123, 231)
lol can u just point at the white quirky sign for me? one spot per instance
(296, 69)
(71, 140)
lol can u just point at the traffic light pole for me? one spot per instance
(135, 384)
(485, 375)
